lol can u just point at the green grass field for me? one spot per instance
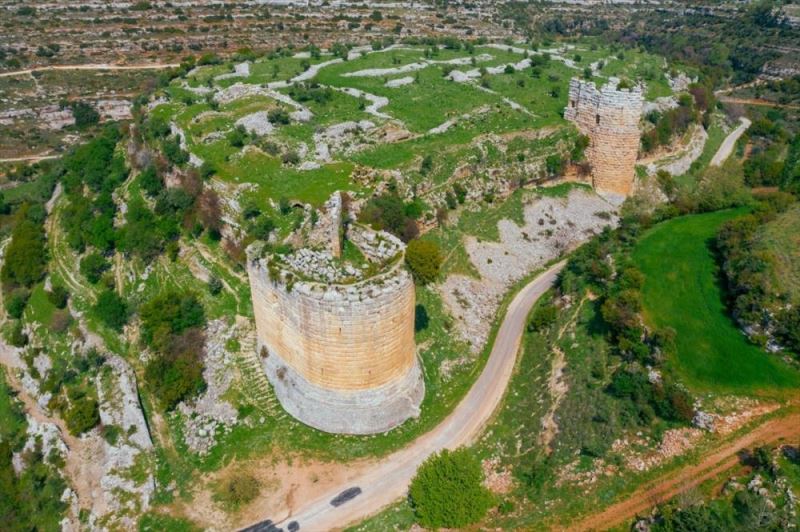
(682, 292)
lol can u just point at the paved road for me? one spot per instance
(93, 66)
(726, 148)
(388, 480)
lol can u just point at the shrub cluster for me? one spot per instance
(172, 327)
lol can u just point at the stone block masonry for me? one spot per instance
(341, 357)
(610, 118)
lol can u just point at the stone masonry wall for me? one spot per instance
(338, 337)
(610, 118)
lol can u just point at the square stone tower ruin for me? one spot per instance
(610, 118)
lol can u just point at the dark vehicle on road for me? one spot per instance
(347, 495)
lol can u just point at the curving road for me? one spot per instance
(389, 478)
(726, 148)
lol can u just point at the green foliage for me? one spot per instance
(16, 303)
(143, 235)
(88, 218)
(543, 317)
(278, 116)
(31, 500)
(174, 377)
(388, 212)
(262, 227)
(16, 335)
(25, 257)
(214, 286)
(93, 266)
(158, 522)
(756, 275)
(668, 124)
(85, 115)
(150, 181)
(111, 309)
(171, 325)
(167, 314)
(447, 490)
(173, 151)
(58, 296)
(83, 414)
(424, 259)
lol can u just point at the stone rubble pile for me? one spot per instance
(209, 416)
(377, 246)
(256, 123)
(321, 266)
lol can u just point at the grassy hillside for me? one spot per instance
(682, 292)
(780, 239)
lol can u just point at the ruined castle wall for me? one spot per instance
(610, 118)
(338, 337)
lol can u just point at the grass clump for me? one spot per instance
(236, 491)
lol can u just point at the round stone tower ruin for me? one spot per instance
(610, 118)
(336, 338)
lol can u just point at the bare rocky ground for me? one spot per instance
(552, 226)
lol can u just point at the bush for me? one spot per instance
(173, 378)
(16, 336)
(214, 286)
(85, 115)
(424, 259)
(112, 310)
(278, 116)
(262, 227)
(236, 490)
(58, 296)
(93, 266)
(83, 415)
(150, 182)
(447, 490)
(543, 317)
(17, 303)
(169, 314)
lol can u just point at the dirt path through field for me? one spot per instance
(756, 101)
(670, 485)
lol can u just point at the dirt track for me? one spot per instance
(95, 66)
(670, 485)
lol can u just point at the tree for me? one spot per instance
(25, 258)
(58, 296)
(93, 266)
(447, 490)
(424, 259)
(112, 310)
(85, 115)
(150, 182)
